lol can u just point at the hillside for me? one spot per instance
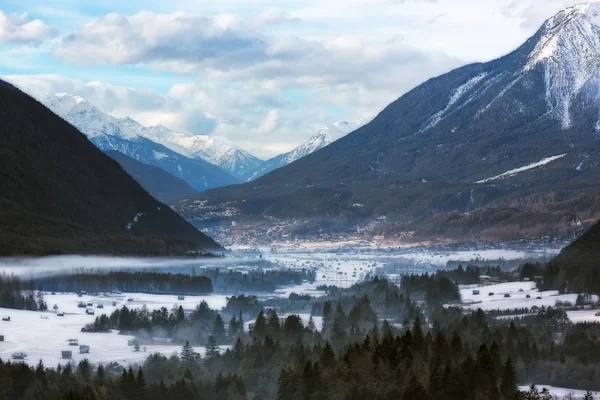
(577, 267)
(159, 183)
(518, 133)
(60, 194)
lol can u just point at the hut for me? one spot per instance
(84, 349)
(73, 342)
(19, 355)
(66, 354)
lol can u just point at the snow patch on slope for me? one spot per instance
(134, 221)
(515, 171)
(458, 93)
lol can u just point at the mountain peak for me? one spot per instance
(568, 49)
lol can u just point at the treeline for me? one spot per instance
(14, 294)
(471, 274)
(465, 359)
(196, 327)
(433, 289)
(386, 299)
(230, 281)
(125, 281)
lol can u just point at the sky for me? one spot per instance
(265, 74)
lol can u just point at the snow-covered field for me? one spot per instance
(518, 292)
(44, 335)
(561, 393)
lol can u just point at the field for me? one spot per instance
(561, 393)
(518, 292)
(43, 335)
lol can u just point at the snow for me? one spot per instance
(159, 156)
(561, 393)
(44, 339)
(568, 51)
(319, 140)
(456, 95)
(528, 167)
(134, 221)
(518, 292)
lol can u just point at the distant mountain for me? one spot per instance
(316, 142)
(110, 133)
(60, 194)
(216, 150)
(159, 183)
(496, 150)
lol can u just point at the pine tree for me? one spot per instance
(508, 384)
(233, 327)
(273, 325)
(212, 348)
(311, 325)
(188, 355)
(327, 356)
(260, 327)
(219, 329)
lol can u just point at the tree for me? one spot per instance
(508, 384)
(188, 355)
(219, 329)
(233, 327)
(260, 327)
(212, 348)
(273, 325)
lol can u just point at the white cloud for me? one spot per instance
(18, 28)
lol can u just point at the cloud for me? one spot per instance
(233, 48)
(18, 28)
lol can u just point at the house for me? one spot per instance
(6, 318)
(60, 313)
(73, 342)
(180, 297)
(19, 355)
(475, 292)
(66, 354)
(1, 338)
(84, 349)
(90, 311)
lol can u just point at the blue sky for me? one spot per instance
(266, 74)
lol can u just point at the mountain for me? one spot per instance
(490, 150)
(60, 194)
(109, 133)
(219, 151)
(159, 183)
(577, 267)
(316, 142)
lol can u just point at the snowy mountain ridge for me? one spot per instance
(214, 149)
(132, 139)
(319, 140)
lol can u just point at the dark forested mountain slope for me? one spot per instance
(159, 183)
(59, 193)
(483, 135)
(577, 267)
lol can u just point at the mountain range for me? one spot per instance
(203, 161)
(489, 150)
(323, 138)
(123, 135)
(61, 194)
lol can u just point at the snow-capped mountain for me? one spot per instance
(110, 133)
(323, 138)
(520, 132)
(214, 149)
